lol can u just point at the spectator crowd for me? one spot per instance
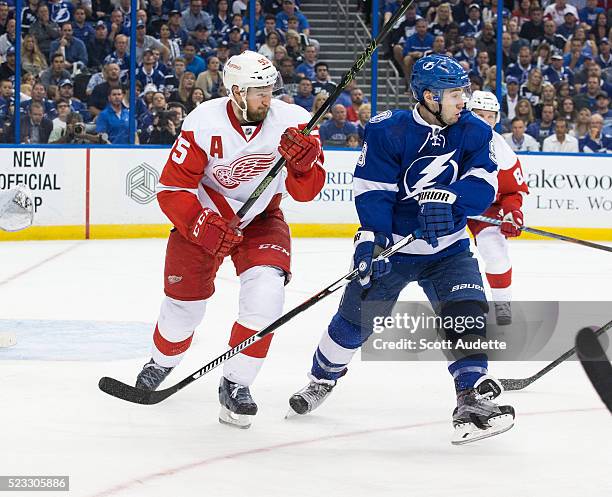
(75, 59)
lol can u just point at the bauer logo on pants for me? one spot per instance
(140, 183)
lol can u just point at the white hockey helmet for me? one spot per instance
(248, 70)
(484, 100)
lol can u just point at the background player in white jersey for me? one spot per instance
(16, 209)
(225, 148)
(491, 240)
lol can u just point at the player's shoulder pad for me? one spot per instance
(199, 118)
(475, 128)
(288, 113)
(388, 125)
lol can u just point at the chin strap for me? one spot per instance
(436, 114)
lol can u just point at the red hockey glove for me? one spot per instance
(512, 222)
(301, 152)
(213, 234)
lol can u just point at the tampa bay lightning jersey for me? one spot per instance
(403, 155)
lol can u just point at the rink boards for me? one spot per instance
(110, 193)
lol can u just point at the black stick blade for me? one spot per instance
(596, 364)
(123, 391)
(510, 384)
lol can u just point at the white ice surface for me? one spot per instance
(384, 432)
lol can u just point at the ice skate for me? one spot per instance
(503, 313)
(310, 397)
(237, 405)
(476, 417)
(151, 376)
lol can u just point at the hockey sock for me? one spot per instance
(336, 349)
(501, 286)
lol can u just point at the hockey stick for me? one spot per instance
(519, 384)
(547, 234)
(346, 79)
(596, 364)
(132, 394)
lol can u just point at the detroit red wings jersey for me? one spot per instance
(221, 163)
(511, 182)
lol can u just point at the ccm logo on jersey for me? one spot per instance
(242, 169)
(272, 246)
(467, 286)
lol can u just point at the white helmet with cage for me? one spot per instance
(248, 70)
(484, 100)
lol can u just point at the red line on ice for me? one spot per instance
(205, 462)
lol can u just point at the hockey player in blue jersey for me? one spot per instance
(424, 169)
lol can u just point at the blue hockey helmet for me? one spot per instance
(437, 73)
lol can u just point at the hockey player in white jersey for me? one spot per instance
(16, 209)
(491, 240)
(225, 149)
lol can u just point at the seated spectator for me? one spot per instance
(294, 47)
(415, 47)
(589, 13)
(59, 123)
(7, 39)
(550, 37)
(279, 54)
(600, 31)
(272, 41)
(7, 100)
(304, 97)
(221, 22)
(289, 76)
(468, 53)
(8, 67)
(28, 15)
(511, 98)
(523, 66)
(588, 96)
(234, 41)
(177, 32)
(533, 28)
(206, 45)
(322, 81)
(268, 27)
(290, 11)
(211, 80)
(39, 95)
(317, 103)
(518, 140)
(561, 141)
(604, 58)
(100, 47)
(307, 66)
(595, 141)
(223, 53)
(357, 100)
(81, 28)
(66, 94)
(35, 127)
(44, 29)
(532, 88)
(582, 123)
(77, 132)
(442, 20)
(56, 73)
(98, 100)
(196, 98)
(568, 28)
(524, 111)
(603, 107)
(575, 57)
(145, 41)
(461, 10)
(183, 92)
(73, 49)
(114, 119)
(556, 72)
(120, 55)
(364, 114)
(157, 15)
(148, 74)
(117, 25)
(352, 141)
(490, 82)
(176, 71)
(557, 10)
(567, 110)
(236, 22)
(335, 131)
(195, 63)
(194, 15)
(473, 24)
(164, 131)
(544, 127)
(32, 59)
(589, 47)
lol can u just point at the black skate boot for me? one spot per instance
(503, 313)
(477, 417)
(310, 397)
(237, 405)
(151, 376)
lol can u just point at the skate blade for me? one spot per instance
(291, 414)
(469, 432)
(230, 418)
(8, 339)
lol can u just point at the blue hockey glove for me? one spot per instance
(436, 213)
(368, 246)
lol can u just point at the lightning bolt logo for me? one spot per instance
(430, 173)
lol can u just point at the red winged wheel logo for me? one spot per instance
(242, 169)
